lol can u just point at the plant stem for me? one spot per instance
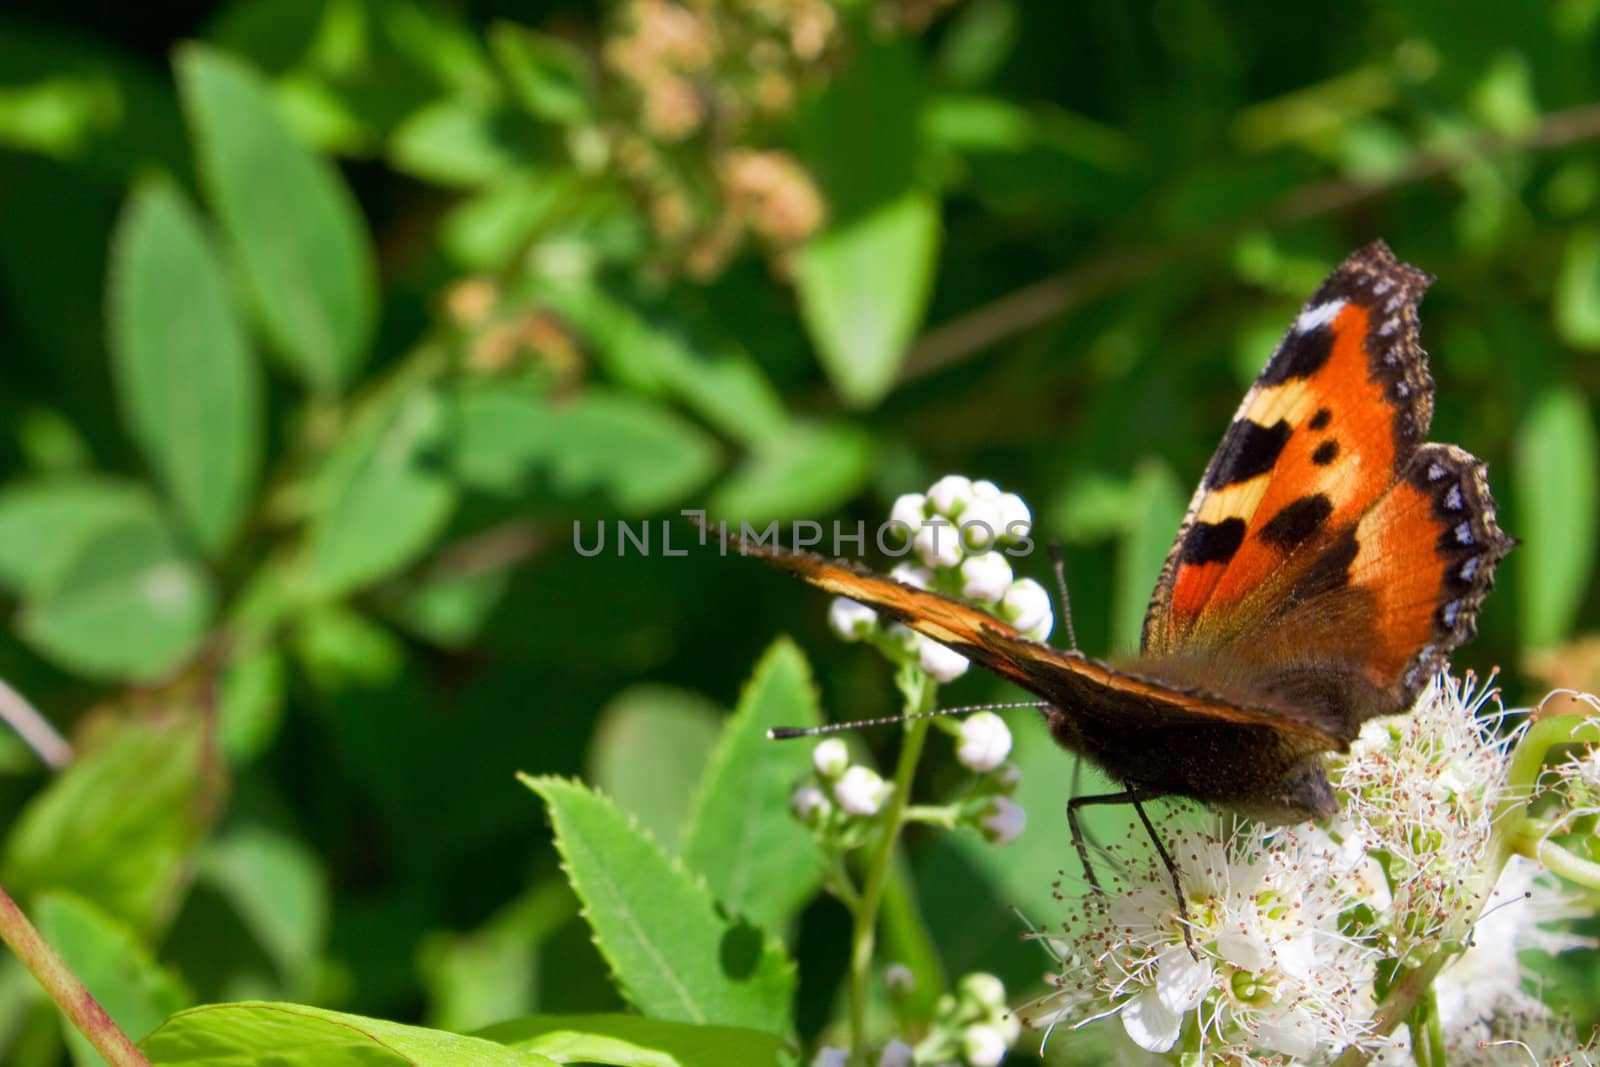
(1405, 996)
(63, 987)
(866, 916)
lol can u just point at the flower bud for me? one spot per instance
(984, 990)
(1015, 519)
(896, 1054)
(828, 1056)
(1002, 821)
(939, 662)
(830, 757)
(950, 494)
(983, 1045)
(909, 510)
(861, 791)
(912, 575)
(810, 804)
(1027, 605)
(899, 980)
(938, 543)
(850, 620)
(985, 577)
(985, 742)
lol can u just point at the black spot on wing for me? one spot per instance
(1297, 522)
(1331, 570)
(1247, 449)
(1325, 453)
(1320, 420)
(1213, 542)
(1299, 356)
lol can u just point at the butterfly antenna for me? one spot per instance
(1060, 565)
(785, 733)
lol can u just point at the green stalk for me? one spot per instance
(63, 987)
(864, 935)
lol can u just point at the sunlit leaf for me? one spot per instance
(674, 956)
(758, 859)
(1558, 509)
(650, 745)
(631, 1041)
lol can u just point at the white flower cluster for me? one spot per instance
(982, 745)
(1300, 932)
(1275, 976)
(957, 529)
(858, 790)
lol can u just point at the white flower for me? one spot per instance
(1275, 972)
(938, 543)
(984, 990)
(1027, 605)
(828, 1056)
(985, 577)
(850, 620)
(908, 511)
(984, 489)
(1015, 519)
(985, 742)
(983, 1045)
(830, 757)
(912, 575)
(950, 494)
(861, 791)
(810, 804)
(895, 1054)
(1002, 821)
(1007, 778)
(899, 979)
(939, 662)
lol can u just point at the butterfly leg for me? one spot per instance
(1132, 795)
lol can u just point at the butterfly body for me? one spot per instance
(1330, 561)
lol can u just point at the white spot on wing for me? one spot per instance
(1452, 499)
(1464, 534)
(1312, 318)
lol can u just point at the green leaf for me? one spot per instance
(1558, 494)
(649, 746)
(125, 605)
(642, 456)
(135, 990)
(1577, 296)
(45, 524)
(548, 76)
(673, 955)
(863, 285)
(294, 1035)
(275, 885)
(119, 827)
(295, 229)
(382, 495)
(630, 1041)
(758, 859)
(810, 470)
(250, 702)
(186, 380)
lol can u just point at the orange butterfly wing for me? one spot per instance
(1324, 531)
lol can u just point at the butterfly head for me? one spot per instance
(1301, 792)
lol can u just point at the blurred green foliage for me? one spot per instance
(327, 322)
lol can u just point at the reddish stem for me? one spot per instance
(63, 987)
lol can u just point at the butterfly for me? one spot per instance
(1330, 561)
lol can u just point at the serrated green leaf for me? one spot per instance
(125, 605)
(294, 228)
(864, 285)
(758, 859)
(276, 887)
(120, 826)
(251, 1033)
(673, 955)
(119, 971)
(1558, 498)
(44, 524)
(631, 1041)
(641, 455)
(186, 380)
(382, 495)
(649, 746)
(811, 469)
